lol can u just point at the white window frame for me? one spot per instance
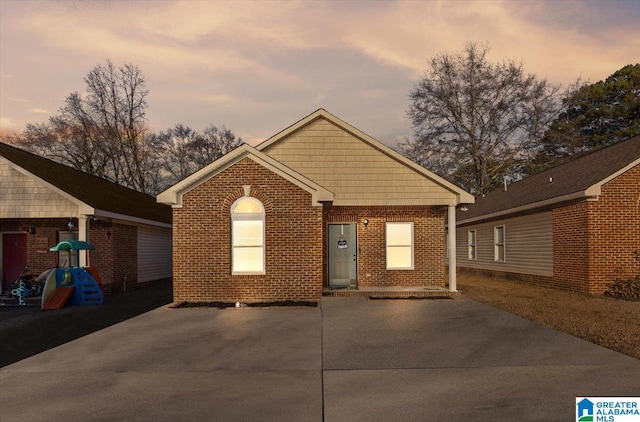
(239, 217)
(387, 245)
(472, 240)
(499, 245)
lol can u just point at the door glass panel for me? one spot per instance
(342, 254)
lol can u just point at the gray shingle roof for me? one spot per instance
(566, 179)
(92, 190)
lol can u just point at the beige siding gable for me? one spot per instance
(23, 197)
(354, 170)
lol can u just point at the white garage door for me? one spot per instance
(154, 253)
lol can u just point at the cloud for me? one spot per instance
(257, 66)
(39, 111)
(7, 123)
(21, 100)
(236, 37)
(411, 32)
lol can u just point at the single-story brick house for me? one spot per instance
(43, 202)
(318, 205)
(575, 226)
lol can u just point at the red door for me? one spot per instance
(14, 257)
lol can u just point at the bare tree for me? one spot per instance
(113, 117)
(475, 121)
(182, 151)
(104, 133)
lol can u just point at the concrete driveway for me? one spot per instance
(454, 360)
(354, 360)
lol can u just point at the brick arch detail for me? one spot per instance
(239, 193)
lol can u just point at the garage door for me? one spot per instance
(154, 253)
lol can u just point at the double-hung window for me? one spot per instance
(399, 246)
(247, 236)
(498, 242)
(471, 244)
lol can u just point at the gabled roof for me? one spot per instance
(357, 168)
(577, 179)
(173, 195)
(94, 195)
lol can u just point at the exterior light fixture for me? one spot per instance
(464, 208)
(365, 222)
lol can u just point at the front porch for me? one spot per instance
(392, 292)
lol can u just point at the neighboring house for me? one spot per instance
(43, 202)
(575, 226)
(318, 205)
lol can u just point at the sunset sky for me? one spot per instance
(258, 67)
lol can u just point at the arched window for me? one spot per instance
(247, 236)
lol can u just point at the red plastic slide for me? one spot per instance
(58, 299)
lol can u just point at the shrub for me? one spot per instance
(627, 289)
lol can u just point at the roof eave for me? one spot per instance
(173, 195)
(128, 218)
(586, 194)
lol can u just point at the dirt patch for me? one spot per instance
(608, 322)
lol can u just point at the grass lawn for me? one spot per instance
(611, 323)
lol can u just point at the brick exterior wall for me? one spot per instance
(429, 244)
(594, 241)
(614, 231)
(115, 256)
(571, 247)
(202, 240)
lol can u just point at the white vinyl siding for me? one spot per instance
(529, 240)
(154, 253)
(399, 246)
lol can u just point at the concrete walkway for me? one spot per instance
(353, 360)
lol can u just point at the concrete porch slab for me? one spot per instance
(392, 292)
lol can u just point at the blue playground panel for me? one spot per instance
(86, 292)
